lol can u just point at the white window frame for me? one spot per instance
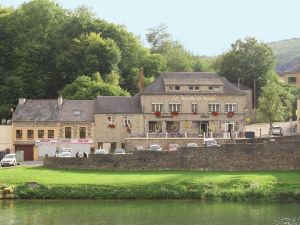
(174, 107)
(212, 107)
(194, 107)
(230, 107)
(158, 107)
(127, 121)
(111, 119)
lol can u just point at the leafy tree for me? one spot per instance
(85, 87)
(249, 61)
(158, 36)
(275, 103)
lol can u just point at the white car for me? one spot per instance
(100, 152)
(119, 151)
(193, 145)
(276, 130)
(155, 148)
(9, 160)
(64, 154)
(210, 142)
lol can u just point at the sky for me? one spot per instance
(204, 27)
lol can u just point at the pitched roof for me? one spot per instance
(186, 78)
(37, 110)
(77, 110)
(118, 104)
(294, 69)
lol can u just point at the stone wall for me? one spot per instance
(278, 155)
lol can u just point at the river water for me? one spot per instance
(86, 212)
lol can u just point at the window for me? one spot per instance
(177, 88)
(214, 88)
(111, 120)
(172, 126)
(127, 122)
(230, 107)
(157, 107)
(194, 107)
(191, 88)
(50, 133)
(68, 132)
(171, 88)
(41, 134)
(82, 132)
(29, 134)
(155, 126)
(197, 88)
(19, 134)
(214, 107)
(292, 80)
(174, 107)
(76, 112)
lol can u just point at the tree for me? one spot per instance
(158, 36)
(275, 103)
(249, 61)
(85, 87)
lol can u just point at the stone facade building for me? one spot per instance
(177, 104)
(292, 76)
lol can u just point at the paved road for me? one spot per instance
(265, 128)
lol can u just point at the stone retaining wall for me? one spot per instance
(278, 155)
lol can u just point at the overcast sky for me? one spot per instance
(205, 27)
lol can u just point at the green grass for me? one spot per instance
(59, 183)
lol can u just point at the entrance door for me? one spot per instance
(28, 151)
(113, 147)
(229, 127)
(204, 128)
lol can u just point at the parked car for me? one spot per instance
(276, 130)
(173, 147)
(9, 160)
(101, 151)
(119, 151)
(210, 142)
(64, 154)
(193, 145)
(155, 147)
(138, 148)
(61, 150)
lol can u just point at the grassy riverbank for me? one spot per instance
(93, 184)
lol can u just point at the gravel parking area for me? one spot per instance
(286, 126)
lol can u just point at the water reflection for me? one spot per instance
(38, 212)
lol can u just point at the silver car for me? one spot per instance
(119, 151)
(155, 148)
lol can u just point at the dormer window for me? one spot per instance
(76, 113)
(177, 88)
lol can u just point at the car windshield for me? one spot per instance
(9, 156)
(154, 147)
(211, 142)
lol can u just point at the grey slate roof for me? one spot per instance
(77, 110)
(204, 78)
(48, 110)
(294, 69)
(37, 110)
(118, 104)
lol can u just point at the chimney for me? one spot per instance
(60, 101)
(22, 101)
(141, 80)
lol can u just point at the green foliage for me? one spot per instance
(85, 87)
(275, 103)
(287, 53)
(44, 47)
(249, 61)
